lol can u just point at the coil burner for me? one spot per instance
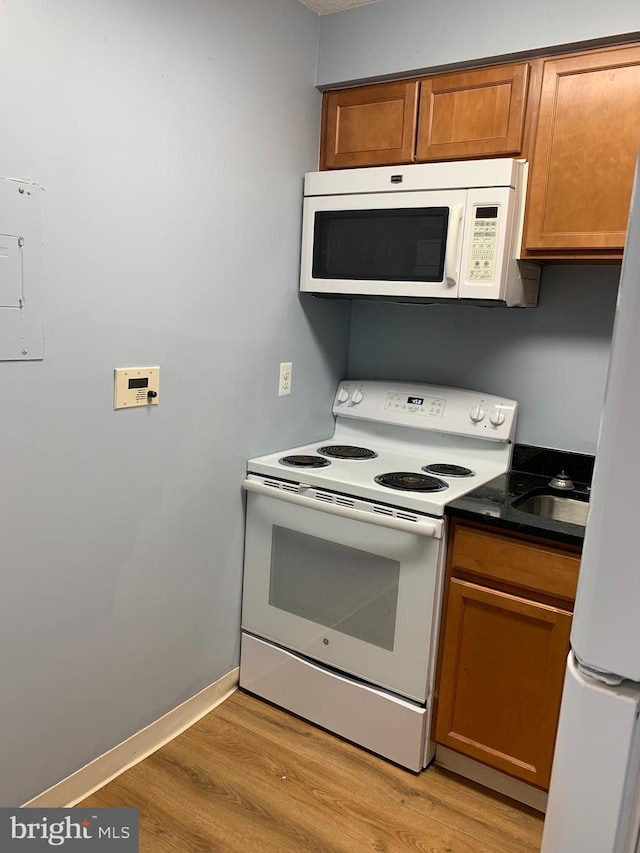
(347, 451)
(445, 470)
(410, 481)
(304, 461)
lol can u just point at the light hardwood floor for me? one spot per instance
(250, 778)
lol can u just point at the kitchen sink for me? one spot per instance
(557, 507)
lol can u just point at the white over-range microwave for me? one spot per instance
(419, 233)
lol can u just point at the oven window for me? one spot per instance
(336, 586)
(407, 244)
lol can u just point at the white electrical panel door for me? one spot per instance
(21, 332)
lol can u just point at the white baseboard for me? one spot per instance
(490, 778)
(106, 767)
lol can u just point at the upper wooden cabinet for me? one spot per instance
(586, 144)
(478, 113)
(369, 125)
(575, 117)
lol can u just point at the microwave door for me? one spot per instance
(405, 245)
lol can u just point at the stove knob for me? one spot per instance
(497, 417)
(477, 414)
(343, 395)
(356, 397)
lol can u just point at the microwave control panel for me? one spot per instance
(484, 243)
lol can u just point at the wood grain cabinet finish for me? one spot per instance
(503, 649)
(477, 113)
(535, 567)
(586, 144)
(369, 125)
(575, 117)
(502, 676)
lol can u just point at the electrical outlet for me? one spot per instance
(284, 385)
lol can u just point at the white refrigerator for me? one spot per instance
(594, 798)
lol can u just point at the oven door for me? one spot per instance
(402, 244)
(324, 581)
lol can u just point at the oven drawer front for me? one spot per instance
(361, 598)
(386, 725)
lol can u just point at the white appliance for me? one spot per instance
(344, 558)
(594, 798)
(423, 232)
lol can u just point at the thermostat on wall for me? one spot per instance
(136, 386)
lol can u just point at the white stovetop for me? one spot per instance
(405, 439)
(356, 477)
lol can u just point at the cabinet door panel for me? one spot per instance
(585, 152)
(369, 125)
(478, 113)
(501, 681)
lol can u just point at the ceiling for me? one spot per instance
(326, 7)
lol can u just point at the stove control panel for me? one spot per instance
(432, 407)
(349, 394)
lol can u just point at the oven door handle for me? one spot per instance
(432, 529)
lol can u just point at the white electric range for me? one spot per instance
(344, 558)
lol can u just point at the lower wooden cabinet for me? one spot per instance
(502, 661)
(502, 675)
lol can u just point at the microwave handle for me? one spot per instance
(451, 270)
(427, 528)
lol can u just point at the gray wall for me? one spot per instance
(171, 137)
(405, 36)
(553, 359)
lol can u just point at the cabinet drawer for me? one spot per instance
(524, 564)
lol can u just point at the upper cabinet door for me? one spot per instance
(369, 125)
(477, 113)
(586, 146)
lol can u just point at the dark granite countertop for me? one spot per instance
(532, 468)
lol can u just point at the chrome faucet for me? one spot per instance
(561, 481)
